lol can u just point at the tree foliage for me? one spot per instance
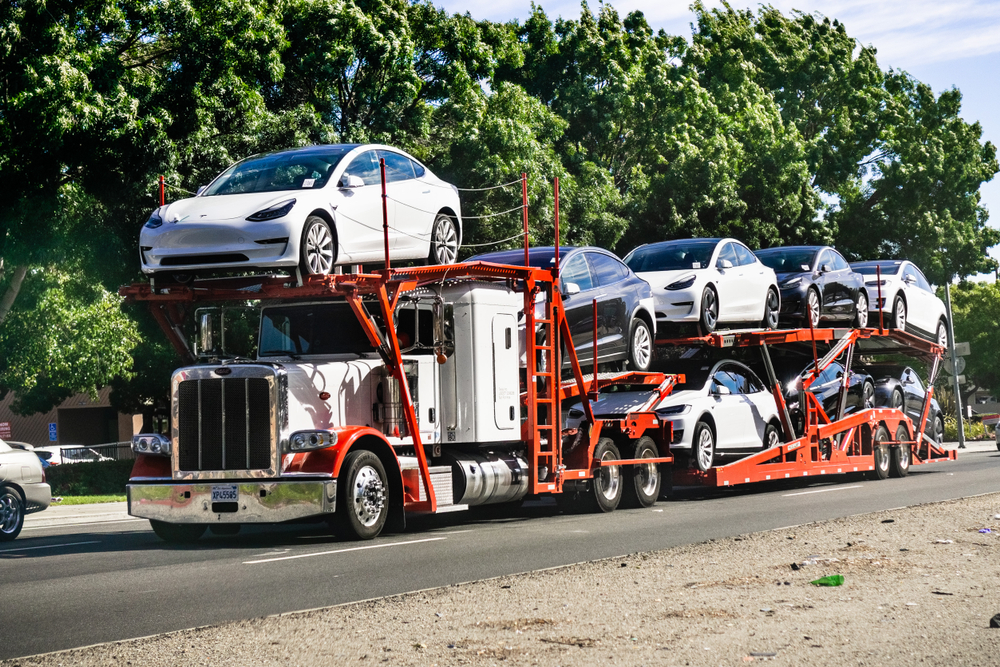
(773, 128)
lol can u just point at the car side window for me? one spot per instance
(607, 270)
(418, 169)
(365, 167)
(577, 271)
(724, 377)
(397, 167)
(728, 253)
(921, 281)
(824, 258)
(743, 254)
(909, 275)
(839, 263)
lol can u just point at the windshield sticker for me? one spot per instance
(695, 265)
(309, 182)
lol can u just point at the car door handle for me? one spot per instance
(426, 192)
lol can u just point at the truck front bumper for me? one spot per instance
(256, 501)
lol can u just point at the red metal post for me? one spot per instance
(593, 391)
(878, 283)
(812, 335)
(385, 213)
(163, 194)
(524, 211)
(557, 226)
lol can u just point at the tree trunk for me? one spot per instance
(17, 278)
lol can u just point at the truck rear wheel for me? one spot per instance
(606, 487)
(900, 464)
(642, 481)
(177, 533)
(880, 454)
(363, 496)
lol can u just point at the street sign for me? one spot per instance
(961, 379)
(959, 365)
(53, 433)
(991, 420)
(4, 430)
(962, 350)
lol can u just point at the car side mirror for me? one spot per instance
(201, 188)
(349, 181)
(725, 264)
(721, 390)
(825, 268)
(572, 288)
(909, 280)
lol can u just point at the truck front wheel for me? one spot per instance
(363, 490)
(177, 533)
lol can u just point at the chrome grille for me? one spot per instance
(224, 424)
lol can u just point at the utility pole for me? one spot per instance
(954, 368)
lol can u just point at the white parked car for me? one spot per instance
(707, 282)
(908, 301)
(23, 489)
(721, 408)
(307, 208)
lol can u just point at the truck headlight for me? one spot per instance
(151, 443)
(306, 441)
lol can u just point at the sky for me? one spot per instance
(943, 43)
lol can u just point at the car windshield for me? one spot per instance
(541, 257)
(695, 372)
(788, 260)
(672, 255)
(312, 329)
(868, 268)
(275, 172)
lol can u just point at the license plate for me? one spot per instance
(225, 493)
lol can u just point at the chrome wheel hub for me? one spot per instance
(609, 478)
(368, 496)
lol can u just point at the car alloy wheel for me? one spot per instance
(861, 310)
(942, 334)
(704, 446)
(772, 305)
(709, 311)
(11, 514)
(867, 396)
(899, 314)
(640, 346)
(812, 308)
(444, 241)
(317, 247)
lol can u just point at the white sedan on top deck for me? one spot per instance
(307, 208)
(707, 282)
(908, 300)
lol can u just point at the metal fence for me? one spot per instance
(112, 451)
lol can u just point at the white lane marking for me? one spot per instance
(340, 551)
(832, 488)
(454, 532)
(78, 523)
(50, 546)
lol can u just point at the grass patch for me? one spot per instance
(87, 500)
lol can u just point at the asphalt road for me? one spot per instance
(85, 575)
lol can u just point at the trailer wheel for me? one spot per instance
(642, 481)
(900, 454)
(703, 443)
(880, 454)
(363, 502)
(177, 533)
(11, 514)
(606, 487)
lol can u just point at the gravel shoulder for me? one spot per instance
(920, 586)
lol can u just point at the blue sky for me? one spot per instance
(943, 43)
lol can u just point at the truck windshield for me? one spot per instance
(329, 328)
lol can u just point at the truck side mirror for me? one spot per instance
(444, 330)
(208, 336)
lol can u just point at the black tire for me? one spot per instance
(607, 485)
(867, 395)
(901, 454)
(444, 241)
(896, 399)
(177, 533)
(772, 436)
(941, 336)
(317, 248)
(811, 307)
(938, 433)
(703, 446)
(709, 317)
(880, 453)
(899, 313)
(861, 310)
(11, 513)
(772, 307)
(224, 529)
(640, 346)
(362, 496)
(642, 482)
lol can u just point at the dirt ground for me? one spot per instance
(920, 586)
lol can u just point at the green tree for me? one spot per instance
(976, 319)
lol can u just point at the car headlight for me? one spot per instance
(874, 281)
(673, 410)
(279, 210)
(306, 441)
(792, 282)
(151, 443)
(682, 283)
(154, 220)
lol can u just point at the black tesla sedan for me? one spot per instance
(826, 388)
(625, 320)
(817, 283)
(900, 387)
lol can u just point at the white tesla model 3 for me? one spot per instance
(908, 300)
(307, 208)
(707, 282)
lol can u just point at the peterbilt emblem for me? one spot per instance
(223, 371)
